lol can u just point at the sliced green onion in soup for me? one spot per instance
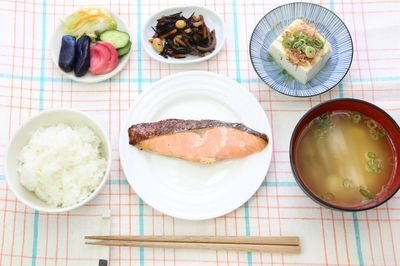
(328, 196)
(374, 134)
(371, 124)
(381, 133)
(347, 183)
(366, 194)
(324, 121)
(356, 117)
(371, 166)
(374, 164)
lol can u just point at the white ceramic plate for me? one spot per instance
(213, 22)
(88, 77)
(185, 189)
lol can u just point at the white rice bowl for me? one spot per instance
(62, 164)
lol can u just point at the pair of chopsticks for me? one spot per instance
(286, 244)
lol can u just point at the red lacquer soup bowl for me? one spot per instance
(369, 110)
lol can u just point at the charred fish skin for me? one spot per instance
(144, 131)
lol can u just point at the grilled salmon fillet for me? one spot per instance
(204, 141)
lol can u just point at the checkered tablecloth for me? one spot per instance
(30, 83)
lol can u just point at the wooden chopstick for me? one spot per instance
(257, 244)
(272, 240)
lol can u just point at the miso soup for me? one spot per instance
(345, 158)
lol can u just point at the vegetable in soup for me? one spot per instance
(345, 158)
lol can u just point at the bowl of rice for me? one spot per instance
(58, 160)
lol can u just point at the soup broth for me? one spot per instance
(345, 158)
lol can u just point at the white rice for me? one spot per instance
(61, 164)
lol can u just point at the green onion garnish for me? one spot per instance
(270, 58)
(286, 43)
(375, 132)
(301, 36)
(381, 133)
(302, 43)
(318, 44)
(347, 183)
(328, 196)
(286, 75)
(324, 121)
(291, 38)
(374, 164)
(310, 51)
(299, 44)
(366, 194)
(371, 124)
(356, 117)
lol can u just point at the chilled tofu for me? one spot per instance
(301, 51)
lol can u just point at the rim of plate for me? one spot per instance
(149, 50)
(123, 61)
(311, 94)
(221, 211)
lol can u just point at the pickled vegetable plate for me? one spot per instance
(88, 77)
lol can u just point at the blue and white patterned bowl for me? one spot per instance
(327, 23)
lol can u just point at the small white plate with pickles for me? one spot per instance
(88, 25)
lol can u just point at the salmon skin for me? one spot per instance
(204, 141)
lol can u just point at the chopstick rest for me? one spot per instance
(105, 228)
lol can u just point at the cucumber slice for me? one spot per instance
(117, 38)
(124, 50)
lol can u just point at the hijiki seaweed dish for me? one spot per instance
(176, 36)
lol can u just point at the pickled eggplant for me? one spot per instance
(67, 57)
(82, 56)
